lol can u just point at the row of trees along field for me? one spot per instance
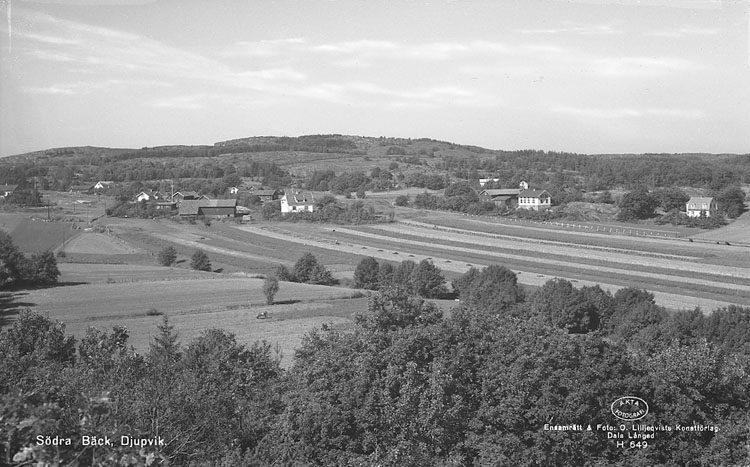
(404, 386)
(17, 270)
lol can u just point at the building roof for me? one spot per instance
(501, 192)
(7, 188)
(533, 193)
(187, 194)
(700, 200)
(299, 198)
(265, 192)
(192, 207)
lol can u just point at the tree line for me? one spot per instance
(406, 385)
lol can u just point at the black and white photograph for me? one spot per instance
(375, 233)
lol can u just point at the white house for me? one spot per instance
(696, 205)
(148, 196)
(103, 185)
(297, 201)
(484, 181)
(534, 199)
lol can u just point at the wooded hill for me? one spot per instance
(277, 161)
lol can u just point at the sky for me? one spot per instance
(592, 76)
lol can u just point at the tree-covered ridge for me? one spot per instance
(557, 172)
(405, 386)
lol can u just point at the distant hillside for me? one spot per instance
(281, 160)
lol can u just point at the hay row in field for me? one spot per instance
(548, 247)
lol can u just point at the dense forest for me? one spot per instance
(405, 385)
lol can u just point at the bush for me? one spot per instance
(402, 200)
(167, 256)
(366, 274)
(200, 262)
(270, 288)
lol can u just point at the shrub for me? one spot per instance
(270, 288)
(167, 256)
(200, 262)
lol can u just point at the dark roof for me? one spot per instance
(187, 194)
(192, 207)
(501, 192)
(299, 199)
(533, 193)
(265, 192)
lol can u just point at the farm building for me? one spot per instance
(214, 208)
(297, 201)
(507, 197)
(81, 189)
(148, 196)
(520, 198)
(484, 181)
(181, 196)
(103, 185)
(166, 205)
(266, 195)
(7, 190)
(696, 205)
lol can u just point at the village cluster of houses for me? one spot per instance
(193, 204)
(190, 204)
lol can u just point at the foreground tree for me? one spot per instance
(563, 306)
(731, 201)
(427, 280)
(637, 204)
(167, 256)
(366, 274)
(199, 261)
(270, 288)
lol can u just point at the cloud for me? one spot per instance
(683, 32)
(641, 66)
(631, 113)
(264, 48)
(88, 87)
(603, 29)
(54, 90)
(358, 47)
(186, 102)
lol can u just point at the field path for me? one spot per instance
(674, 301)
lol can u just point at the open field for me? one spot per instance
(736, 232)
(95, 291)
(32, 234)
(193, 301)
